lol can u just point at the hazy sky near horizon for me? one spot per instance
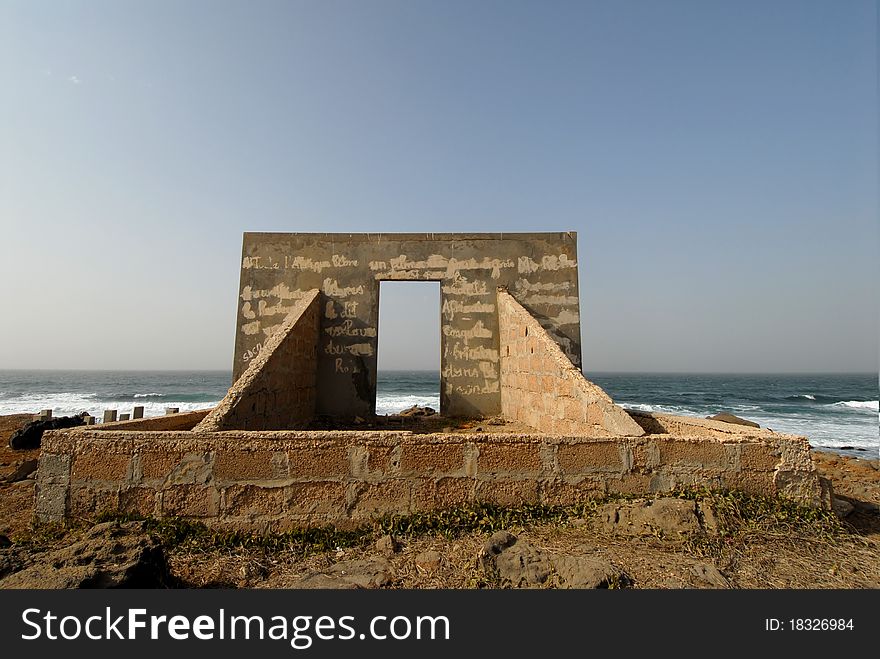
(719, 161)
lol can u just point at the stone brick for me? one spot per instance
(509, 458)
(190, 501)
(376, 499)
(252, 500)
(87, 501)
(383, 461)
(96, 466)
(595, 415)
(587, 457)
(550, 404)
(507, 493)
(670, 479)
(696, 453)
(645, 456)
(158, 465)
(557, 492)
(318, 499)
(751, 482)
(422, 494)
(54, 469)
(432, 459)
(329, 462)
(192, 469)
(553, 426)
(759, 457)
(243, 465)
(451, 492)
(50, 502)
(629, 484)
(138, 500)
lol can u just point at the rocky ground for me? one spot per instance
(720, 542)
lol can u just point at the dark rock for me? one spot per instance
(522, 565)
(5, 541)
(320, 581)
(710, 575)
(24, 470)
(387, 545)
(362, 573)
(841, 507)
(587, 572)
(731, 418)
(30, 435)
(416, 410)
(666, 516)
(110, 555)
(12, 559)
(497, 542)
(429, 561)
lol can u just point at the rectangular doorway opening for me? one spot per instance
(409, 346)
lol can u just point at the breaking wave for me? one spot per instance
(868, 405)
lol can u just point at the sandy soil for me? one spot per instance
(753, 560)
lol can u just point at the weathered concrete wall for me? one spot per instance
(277, 480)
(542, 388)
(278, 388)
(278, 269)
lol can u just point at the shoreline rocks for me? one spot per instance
(31, 434)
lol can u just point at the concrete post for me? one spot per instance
(172, 410)
(109, 416)
(124, 417)
(46, 413)
(89, 420)
(138, 412)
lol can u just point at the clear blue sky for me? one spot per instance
(719, 161)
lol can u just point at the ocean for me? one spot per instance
(835, 412)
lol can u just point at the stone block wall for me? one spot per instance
(274, 481)
(543, 389)
(278, 389)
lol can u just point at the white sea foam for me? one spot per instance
(152, 395)
(640, 407)
(808, 396)
(824, 433)
(868, 405)
(663, 409)
(67, 404)
(386, 404)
